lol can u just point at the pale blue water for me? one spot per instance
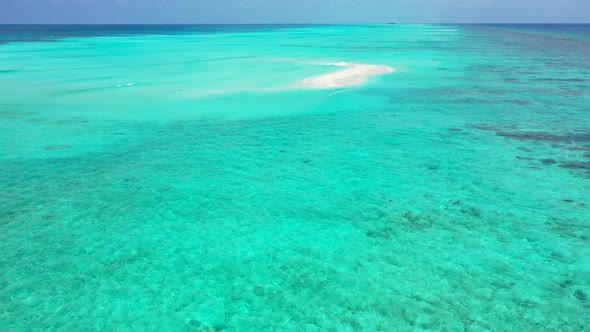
(180, 178)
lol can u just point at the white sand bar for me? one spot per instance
(351, 75)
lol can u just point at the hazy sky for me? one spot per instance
(292, 11)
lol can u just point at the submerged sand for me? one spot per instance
(351, 75)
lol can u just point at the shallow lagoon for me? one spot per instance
(181, 179)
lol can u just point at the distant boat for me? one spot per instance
(391, 23)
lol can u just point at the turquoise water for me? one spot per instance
(182, 179)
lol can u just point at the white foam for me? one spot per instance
(331, 64)
(339, 64)
(337, 92)
(125, 85)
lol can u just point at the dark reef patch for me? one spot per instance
(517, 101)
(482, 126)
(8, 217)
(67, 122)
(416, 220)
(566, 283)
(514, 133)
(472, 211)
(381, 233)
(541, 136)
(57, 147)
(548, 79)
(584, 165)
(406, 221)
(489, 127)
(576, 148)
(580, 295)
(548, 161)
(569, 228)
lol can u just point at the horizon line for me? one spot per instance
(341, 23)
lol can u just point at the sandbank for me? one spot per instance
(352, 74)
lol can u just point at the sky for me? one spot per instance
(294, 11)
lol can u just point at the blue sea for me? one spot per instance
(181, 178)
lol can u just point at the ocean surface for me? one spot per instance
(181, 178)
